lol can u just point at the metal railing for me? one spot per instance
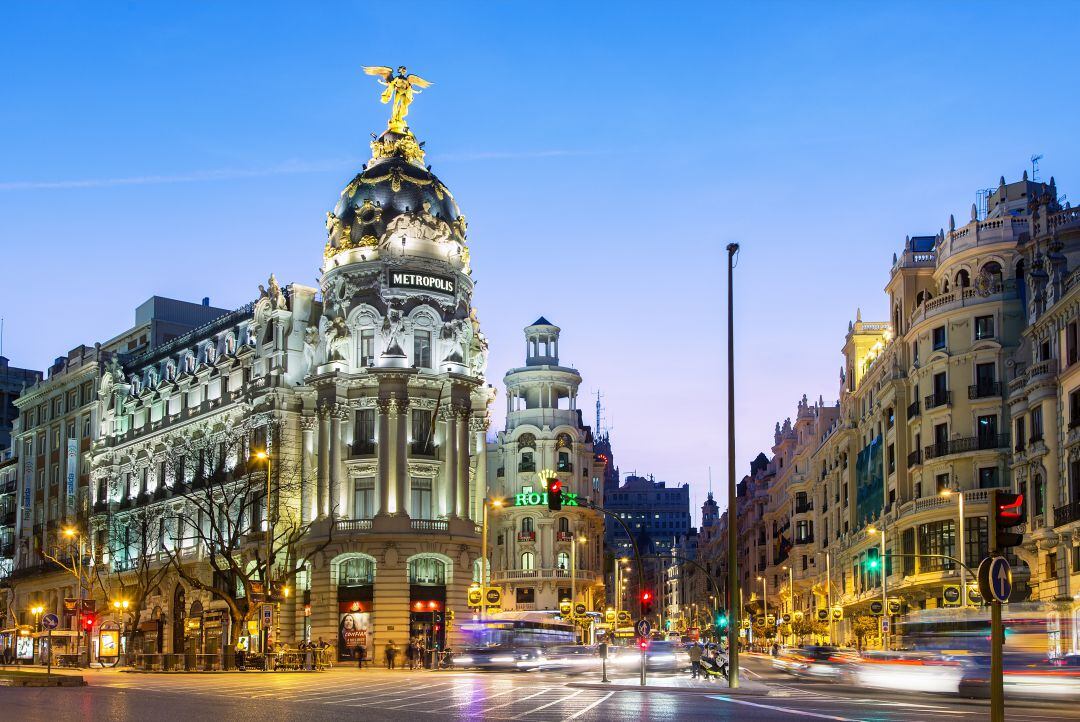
(970, 443)
(913, 409)
(914, 458)
(1067, 513)
(984, 389)
(937, 399)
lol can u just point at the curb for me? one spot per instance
(41, 680)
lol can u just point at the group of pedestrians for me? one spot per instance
(417, 655)
(708, 654)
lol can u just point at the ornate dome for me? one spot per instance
(393, 183)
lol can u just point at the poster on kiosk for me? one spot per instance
(354, 630)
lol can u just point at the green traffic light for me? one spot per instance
(872, 564)
(721, 620)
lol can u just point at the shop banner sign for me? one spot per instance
(72, 467)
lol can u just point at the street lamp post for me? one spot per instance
(70, 532)
(884, 587)
(733, 520)
(960, 538)
(791, 590)
(121, 607)
(495, 503)
(265, 456)
(36, 610)
(828, 592)
(574, 541)
(764, 608)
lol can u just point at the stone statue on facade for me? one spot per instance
(393, 330)
(337, 340)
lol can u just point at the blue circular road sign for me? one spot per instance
(643, 628)
(50, 621)
(1000, 579)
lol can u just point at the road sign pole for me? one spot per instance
(48, 660)
(997, 687)
(642, 666)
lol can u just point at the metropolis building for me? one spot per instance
(534, 558)
(364, 402)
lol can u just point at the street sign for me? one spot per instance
(823, 615)
(493, 596)
(643, 628)
(770, 620)
(876, 607)
(759, 621)
(798, 615)
(745, 624)
(609, 615)
(973, 594)
(476, 595)
(50, 621)
(267, 616)
(895, 606)
(885, 625)
(950, 595)
(786, 617)
(995, 579)
(837, 613)
(564, 607)
(580, 609)
(624, 616)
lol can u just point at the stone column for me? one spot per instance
(401, 451)
(462, 495)
(336, 467)
(393, 441)
(1052, 460)
(383, 449)
(324, 463)
(478, 425)
(448, 489)
(308, 510)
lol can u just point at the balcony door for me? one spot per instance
(988, 431)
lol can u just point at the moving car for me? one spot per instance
(505, 657)
(822, 662)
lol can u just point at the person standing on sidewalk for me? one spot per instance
(695, 660)
(391, 654)
(361, 652)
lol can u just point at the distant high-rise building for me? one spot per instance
(12, 382)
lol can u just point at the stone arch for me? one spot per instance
(447, 562)
(339, 560)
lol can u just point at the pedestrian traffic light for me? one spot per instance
(643, 644)
(1008, 514)
(722, 620)
(554, 494)
(88, 621)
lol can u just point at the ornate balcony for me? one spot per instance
(970, 443)
(914, 458)
(526, 536)
(935, 400)
(984, 390)
(1068, 513)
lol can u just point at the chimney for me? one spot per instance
(206, 301)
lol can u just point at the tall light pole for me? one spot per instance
(121, 607)
(733, 519)
(960, 539)
(36, 610)
(70, 532)
(264, 455)
(884, 585)
(828, 591)
(495, 503)
(791, 588)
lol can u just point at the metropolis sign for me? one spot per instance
(422, 281)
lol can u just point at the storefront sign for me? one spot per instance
(109, 643)
(72, 467)
(539, 498)
(422, 281)
(28, 481)
(354, 629)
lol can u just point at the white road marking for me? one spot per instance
(549, 704)
(510, 704)
(482, 699)
(789, 710)
(583, 710)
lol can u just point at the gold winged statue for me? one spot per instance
(401, 88)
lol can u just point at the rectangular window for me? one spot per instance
(1076, 560)
(422, 349)
(420, 508)
(367, 347)
(1074, 409)
(984, 327)
(1052, 565)
(364, 498)
(892, 459)
(1070, 343)
(976, 540)
(421, 433)
(1036, 424)
(988, 477)
(907, 546)
(936, 538)
(986, 427)
(941, 389)
(364, 432)
(1020, 439)
(942, 482)
(939, 338)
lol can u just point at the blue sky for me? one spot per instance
(604, 154)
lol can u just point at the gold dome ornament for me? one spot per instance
(400, 89)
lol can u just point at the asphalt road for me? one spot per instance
(416, 696)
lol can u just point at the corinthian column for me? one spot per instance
(336, 467)
(401, 449)
(448, 489)
(478, 426)
(383, 450)
(462, 495)
(324, 463)
(308, 511)
(393, 412)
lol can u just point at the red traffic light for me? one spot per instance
(1011, 507)
(88, 621)
(646, 596)
(554, 486)
(644, 644)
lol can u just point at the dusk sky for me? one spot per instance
(603, 158)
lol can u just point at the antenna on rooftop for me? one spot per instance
(982, 202)
(599, 413)
(1035, 167)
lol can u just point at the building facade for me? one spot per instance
(540, 558)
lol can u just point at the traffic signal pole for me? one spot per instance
(997, 667)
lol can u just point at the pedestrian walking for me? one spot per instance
(695, 661)
(391, 654)
(361, 652)
(410, 654)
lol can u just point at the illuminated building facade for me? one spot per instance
(534, 559)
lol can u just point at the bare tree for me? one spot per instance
(224, 516)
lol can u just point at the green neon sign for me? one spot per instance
(539, 498)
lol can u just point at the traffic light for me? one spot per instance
(872, 563)
(721, 620)
(646, 603)
(88, 621)
(554, 494)
(643, 644)
(1008, 514)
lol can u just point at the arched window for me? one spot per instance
(564, 524)
(945, 285)
(993, 269)
(528, 561)
(356, 571)
(527, 524)
(563, 561)
(963, 280)
(426, 570)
